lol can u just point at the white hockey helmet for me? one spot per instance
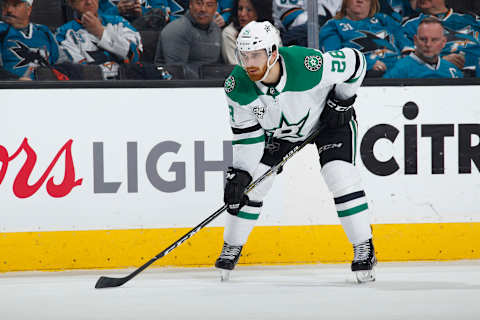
(256, 36)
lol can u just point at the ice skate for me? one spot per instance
(364, 261)
(227, 260)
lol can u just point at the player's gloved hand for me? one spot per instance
(237, 181)
(337, 113)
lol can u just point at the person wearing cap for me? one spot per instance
(93, 38)
(24, 45)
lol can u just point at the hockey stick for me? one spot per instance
(107, 282)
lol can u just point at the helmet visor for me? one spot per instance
(254, 58)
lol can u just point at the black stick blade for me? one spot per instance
(107, 282)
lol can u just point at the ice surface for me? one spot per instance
(427, 290)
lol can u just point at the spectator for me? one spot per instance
(244, 11)
(99, 39)
(463, 46)
(224, 10)
(24, 45)
(193, 39)
(425, 62)
(172, 9)
(400, 10)
(291, 18)
(359, 25)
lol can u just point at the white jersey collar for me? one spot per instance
(428, 65)
(29, 31)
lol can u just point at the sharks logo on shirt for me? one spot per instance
(375, 43)
(176, 9)
(461, 38)
(27, 55)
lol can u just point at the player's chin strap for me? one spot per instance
(269, 66)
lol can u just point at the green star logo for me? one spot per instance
(313, 63)
(286, 129)
(229, 84)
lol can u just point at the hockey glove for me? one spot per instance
(337, 113)
(234, 197)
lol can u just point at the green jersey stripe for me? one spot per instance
(352, 211)
(248, 216)
(249, 140)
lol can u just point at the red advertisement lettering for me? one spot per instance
(21, 187)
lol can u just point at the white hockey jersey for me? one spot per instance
(291, 109)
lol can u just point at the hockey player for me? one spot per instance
(425, 62)
(24, 45)
(275, 99)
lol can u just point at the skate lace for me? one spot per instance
(230, 252)
(361, 251)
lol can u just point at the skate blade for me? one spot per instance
(365, 276)
(224, 275)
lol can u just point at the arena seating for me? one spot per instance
(215, 71)
(51, 13)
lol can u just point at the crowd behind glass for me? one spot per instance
(182, 39)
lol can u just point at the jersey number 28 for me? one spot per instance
(338, 64)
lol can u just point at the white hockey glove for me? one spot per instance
(234, 197)
(337, 113)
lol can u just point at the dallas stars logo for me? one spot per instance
(27, 55)
(286, 129)
(313, 63)
(229, 84)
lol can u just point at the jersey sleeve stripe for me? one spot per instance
(357, 65)
(360, 64)
(246, 130)
(250, 140)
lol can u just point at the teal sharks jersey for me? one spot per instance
(413, 67)
(378, 38)
(462, 32)
(23, 48)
